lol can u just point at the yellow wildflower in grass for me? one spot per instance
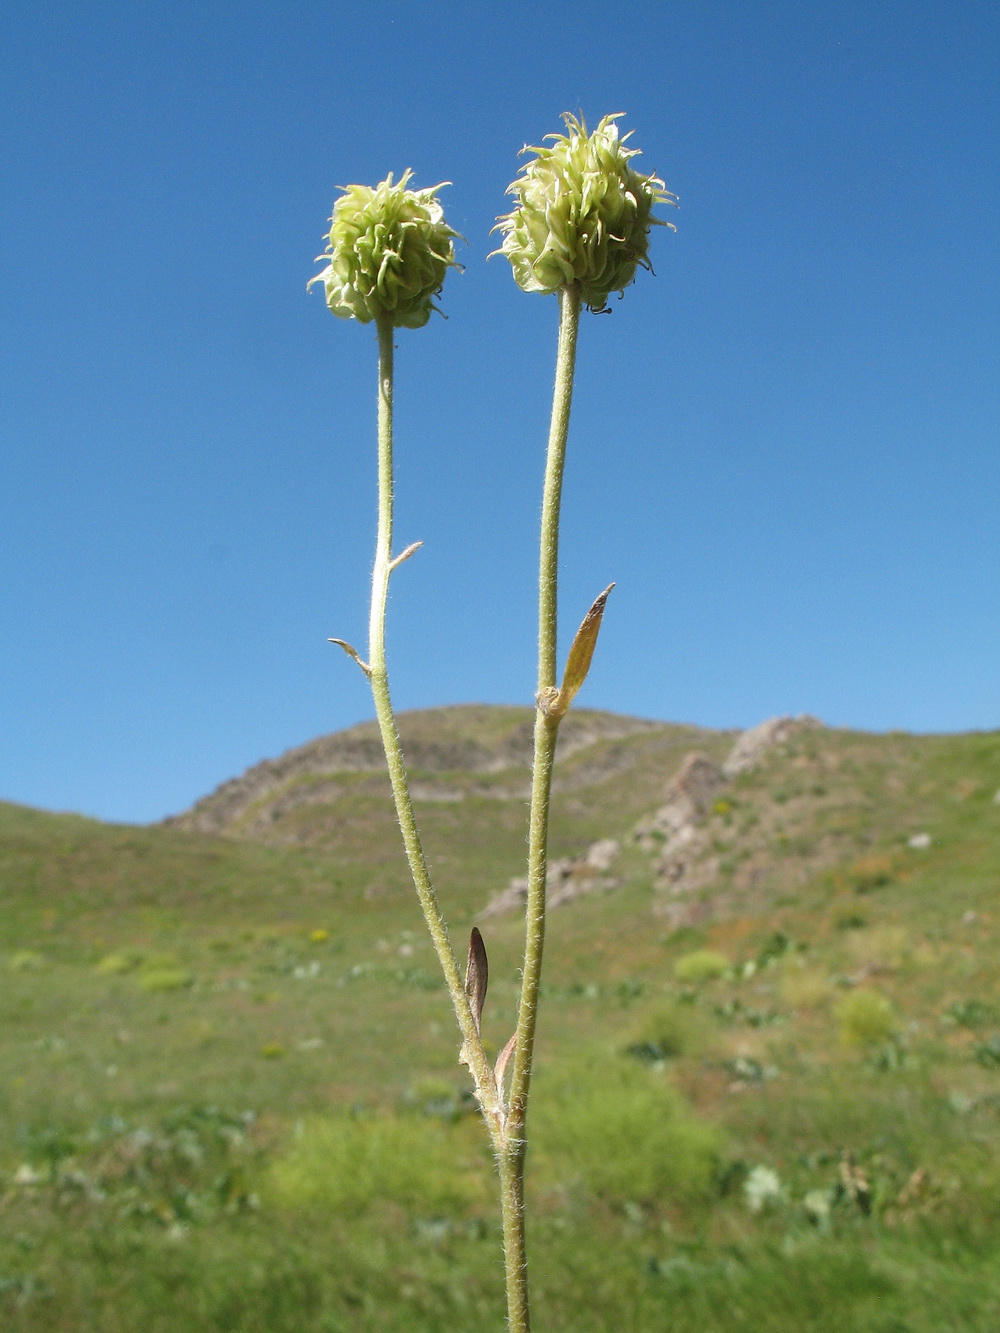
(115, 964)
(866, 1018)
(25, 960)
(701, 965)
(157, 979)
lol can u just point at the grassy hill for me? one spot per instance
(769, 1078)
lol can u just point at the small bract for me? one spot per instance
(583, 215)
(388, 252)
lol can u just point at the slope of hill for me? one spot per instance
(453, 754)
(769, 1061)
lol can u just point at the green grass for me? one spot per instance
(229, 1097)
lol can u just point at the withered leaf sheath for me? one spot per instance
(476, 975)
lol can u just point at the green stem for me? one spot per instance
(546, 731)
(548, 565)
(379, 675)
(511, 1164)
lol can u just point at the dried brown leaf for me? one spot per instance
(476, 975)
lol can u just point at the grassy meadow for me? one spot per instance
(229, 1096)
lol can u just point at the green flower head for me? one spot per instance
(388, 251)
(583, 215)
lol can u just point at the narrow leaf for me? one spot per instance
(581, 653)
(501, 1065)
(404, 555)
(352, 652)
(476, 975)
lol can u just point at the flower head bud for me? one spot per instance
(583, 215)
(388, 252)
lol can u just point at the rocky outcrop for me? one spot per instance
(687, 798)
(677, 833)
(754, 744)
(566, 879)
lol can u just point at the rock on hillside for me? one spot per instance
(712, 823)
(679, 835)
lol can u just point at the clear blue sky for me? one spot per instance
(784, 446)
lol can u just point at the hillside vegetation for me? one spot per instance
(769, 1058)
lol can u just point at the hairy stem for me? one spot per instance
(511, 1164)
(379, 675)
(546, 730)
